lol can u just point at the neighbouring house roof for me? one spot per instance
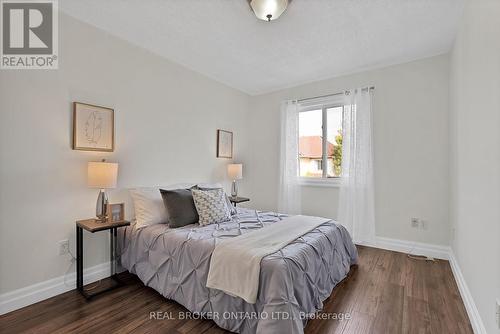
(310, 147)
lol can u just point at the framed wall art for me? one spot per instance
(93, 128)
(224, 144)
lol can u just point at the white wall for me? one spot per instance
(166, 119)
(411, 148)
(475, 158)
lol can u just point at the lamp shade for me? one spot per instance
(102, 175)
(235, 171)
(268, 10)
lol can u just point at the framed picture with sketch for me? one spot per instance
(93, 128)
(224, 144)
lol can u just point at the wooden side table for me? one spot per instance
(94, 225)
(237, 199)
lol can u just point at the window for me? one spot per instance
(320, 141)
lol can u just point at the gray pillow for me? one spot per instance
(180, 207)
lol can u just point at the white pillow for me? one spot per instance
(148, 204)
(205, 185)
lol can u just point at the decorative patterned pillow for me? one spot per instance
(212, 186)
(211, 206)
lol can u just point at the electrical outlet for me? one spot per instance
(415, 222)
(63, 247)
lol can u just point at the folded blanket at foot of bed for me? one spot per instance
(235, 263)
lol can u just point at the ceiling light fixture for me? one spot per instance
(268, 10)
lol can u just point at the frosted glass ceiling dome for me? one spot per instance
(268, 10)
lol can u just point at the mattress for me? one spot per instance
(293, 282)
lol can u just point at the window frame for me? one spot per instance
(324, 180)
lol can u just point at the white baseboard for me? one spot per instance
(405, 246)
(470, 306)
(17, 299)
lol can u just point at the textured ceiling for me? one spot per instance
(312, 40)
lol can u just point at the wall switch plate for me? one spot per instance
(424, 224)
(63, 247)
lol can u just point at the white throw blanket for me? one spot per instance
(235, 262)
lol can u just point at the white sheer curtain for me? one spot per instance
(289, 200)
(356, 202)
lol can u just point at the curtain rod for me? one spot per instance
(339, 93)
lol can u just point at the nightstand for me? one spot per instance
(237, 199)
(94, 225)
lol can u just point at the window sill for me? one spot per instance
(333, 182)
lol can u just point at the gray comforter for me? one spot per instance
(294, 281)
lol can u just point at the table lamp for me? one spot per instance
(102, 175)
(235, 172)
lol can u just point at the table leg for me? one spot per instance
(111, 252)
(113, 245)
(79, 258)
(115, 253)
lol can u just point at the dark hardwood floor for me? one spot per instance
(386, 293)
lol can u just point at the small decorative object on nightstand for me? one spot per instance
(102, 175)
(235, 172)
(116, 212)
(236, 199)
(93, 225)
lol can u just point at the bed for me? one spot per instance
(293, 281)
